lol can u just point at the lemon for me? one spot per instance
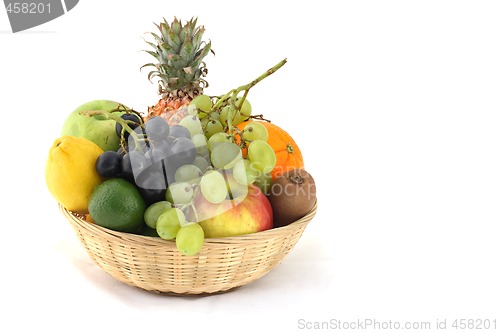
(117, 204)
(70, 172)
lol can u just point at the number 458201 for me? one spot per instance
(28, 8)
(474, 324)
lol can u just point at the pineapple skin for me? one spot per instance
(173, 111)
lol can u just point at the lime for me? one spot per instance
(117, 204)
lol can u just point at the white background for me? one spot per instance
(395, 105)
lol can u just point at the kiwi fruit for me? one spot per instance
(292, 196)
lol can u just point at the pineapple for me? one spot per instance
(179, 52)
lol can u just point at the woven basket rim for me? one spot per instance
(212, 241)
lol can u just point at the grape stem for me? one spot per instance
(270, 71)
(259, 117)
(232, 95)
(234, 92)
(118, 119)
(195, 212)
(184, 207)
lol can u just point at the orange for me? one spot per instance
(288, 154)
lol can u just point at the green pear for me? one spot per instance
(98, 128)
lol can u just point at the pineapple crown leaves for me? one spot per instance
(179, 51)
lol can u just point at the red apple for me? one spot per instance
(235, 217)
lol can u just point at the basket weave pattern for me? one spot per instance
(154, 264)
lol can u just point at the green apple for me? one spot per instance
(98, 128)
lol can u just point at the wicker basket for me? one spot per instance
(154, 264)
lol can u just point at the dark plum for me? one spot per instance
(156, 154)
(157, 128)
(142, 144)
(178, 131)
(151, 196)
(183, 151)
(151, 184)
(133, 164)
(170, 169)
(109, 164)
(151, 177)
(165, 146)
(127, 171)
(133, 122)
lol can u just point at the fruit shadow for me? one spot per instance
(91, 273)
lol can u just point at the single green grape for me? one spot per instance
(214, 116)
(235, 190)
(190, 238)
(237, 118)
(227, 112)
(202, 106)
(204, 121)
(218, 138)
(202, 102)
(154, 211)
(246, 108)
(255, 131)
(264, 182)
(224, 113)
(169, 223)
(261, 153)
(201, 162)
(193, 124)
(245, 172)
(192, 109)
(213, 187)
(179, 193)
(200, 143)
(213, 127)
(188, 173)
(225, 155)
